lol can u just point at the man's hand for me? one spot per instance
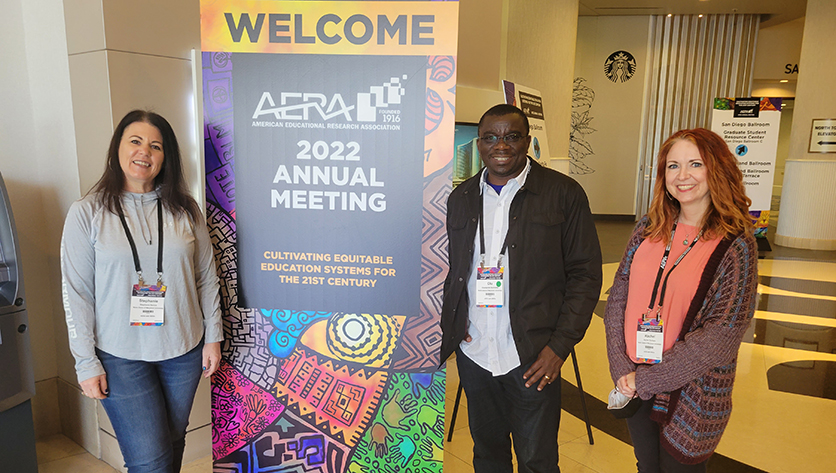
(545, 370)
(95, 387)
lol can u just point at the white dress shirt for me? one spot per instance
(492, 346)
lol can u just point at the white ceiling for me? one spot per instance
(774, 11)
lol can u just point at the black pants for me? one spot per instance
(501, 407)
(650, 455)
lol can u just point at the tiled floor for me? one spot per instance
(58, 454)
(785, 393)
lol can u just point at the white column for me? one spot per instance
(807, 218)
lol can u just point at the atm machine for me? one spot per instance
(17, 379)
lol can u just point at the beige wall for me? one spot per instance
(778, 46)
(617, 110)
(808, 200)
(531, 42)
(479, 59)
(480, 39)
(37, 161)
(773, 88)
(814, 93)
(140, 59)
(541, 55)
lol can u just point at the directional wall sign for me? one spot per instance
(823, 136)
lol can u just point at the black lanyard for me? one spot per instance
(482, 234)
(482, 223)
(159, 245)
(662, 265)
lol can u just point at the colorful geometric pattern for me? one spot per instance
(323, 391)
(240, 410)
(336, 398)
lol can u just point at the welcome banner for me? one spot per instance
(329, 140)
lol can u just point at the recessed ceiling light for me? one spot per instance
(700, 16)
(670, 15)
(783, 80)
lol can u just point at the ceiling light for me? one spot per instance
(700, 16)
(670, 15)
(783, 81)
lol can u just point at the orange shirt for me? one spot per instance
(681, 286)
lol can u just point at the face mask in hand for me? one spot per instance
(622, 406)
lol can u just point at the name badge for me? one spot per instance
(489, 287)
(147, 305)
(650, 340)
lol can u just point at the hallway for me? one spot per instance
(785, 393)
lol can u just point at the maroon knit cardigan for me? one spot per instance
(693, 383)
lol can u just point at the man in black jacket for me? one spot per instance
(525, 275)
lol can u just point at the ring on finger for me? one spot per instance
(548, 378)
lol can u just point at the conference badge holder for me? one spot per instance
(650, 332)
(147, 305)
(650, 340)
(490, 291)
(147, 302)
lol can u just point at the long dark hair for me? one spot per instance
(728, 209)
(169, 183)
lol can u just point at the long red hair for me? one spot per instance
(728, 210)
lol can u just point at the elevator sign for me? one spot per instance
(823, 136)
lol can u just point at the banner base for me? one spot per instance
(763, 245)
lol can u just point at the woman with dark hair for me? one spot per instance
(680, 303)
(140, 347)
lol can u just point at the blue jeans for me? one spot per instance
(501, 407)
(149, 405)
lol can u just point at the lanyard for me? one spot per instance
(482, 234)
(159, 245)
(482, 224)
(662, 265)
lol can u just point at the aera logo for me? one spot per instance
(308, 106)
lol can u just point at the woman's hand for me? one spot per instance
(626, 385)
(95, 387)
(211, 358)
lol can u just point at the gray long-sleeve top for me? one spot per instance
(98, 273)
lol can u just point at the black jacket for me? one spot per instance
(553, 249)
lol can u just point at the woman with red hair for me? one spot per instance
(681, 300)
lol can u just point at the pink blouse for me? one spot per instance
(682, 284)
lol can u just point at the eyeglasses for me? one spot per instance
(509, 139)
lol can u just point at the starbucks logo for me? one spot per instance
(620, 66)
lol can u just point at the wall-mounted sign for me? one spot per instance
(620, 66)
(823, 136)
